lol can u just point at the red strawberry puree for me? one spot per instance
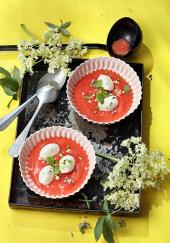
(78, 175)
(89, 108)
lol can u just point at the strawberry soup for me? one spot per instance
(63, 183)
(91, 97)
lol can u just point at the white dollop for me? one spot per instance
(109, 104)
(50, 149)
(107, 83)
(46, 175)
(67, 164)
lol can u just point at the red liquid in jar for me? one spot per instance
(121, 47)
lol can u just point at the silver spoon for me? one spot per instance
(46, 94)
(57, 79)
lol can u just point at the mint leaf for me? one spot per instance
(104, 93)
(64, 32)
(98, 230)
(24, 28)
(57, 170)
(107, 233)
(110, 222)
(50, 160)
(99, 98)
(50, 25)
(126, 88)
(97, 83)
(65, 25)
(5, 72)
(105, 207)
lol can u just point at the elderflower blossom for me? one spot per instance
(124, 199)
(136, 170)
(50, 52)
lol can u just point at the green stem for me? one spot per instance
(113, 159)
(10, 102)
(88, 200)
(116, 211)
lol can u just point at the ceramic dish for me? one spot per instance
(70, 143)
(82, 94)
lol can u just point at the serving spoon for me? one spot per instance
(57, 79)
(46, 94)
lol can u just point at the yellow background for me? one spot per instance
(91, 21)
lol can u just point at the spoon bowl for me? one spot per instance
(57, 79)
(47, 93)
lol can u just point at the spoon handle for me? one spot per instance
(6, 120)
(15, 148)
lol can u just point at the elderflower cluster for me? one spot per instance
(50, 52)
(136, 170)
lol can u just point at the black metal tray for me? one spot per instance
(104, 138)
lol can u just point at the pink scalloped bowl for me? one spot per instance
(103, 65)
(29, 166)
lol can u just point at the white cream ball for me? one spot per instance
(46, 175)
(67, 164)
(109, 104)
(50, 149)
(107, 83)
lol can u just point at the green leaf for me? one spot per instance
(104, 93)
(64, 32)
(50, 25)
(126, 88)
(9, 85)
(57, 170)
(97, 83)
(5, 72)
(107, 233)
(98, 230)
(99, 98)
(16, 75)
(24, 28)
(50, 160)
(88, 97)
(15, 97)
(110, 222)
(8, 91)
(65, 25)
(105, 207)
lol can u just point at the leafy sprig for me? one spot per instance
(105, 225)
(62, 28)
(11, 82)
(87, 200)
(127, 89)
(101, 93)
(54, 163)
(28, 32)
(97, 83)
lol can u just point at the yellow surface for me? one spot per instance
(91, 21)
